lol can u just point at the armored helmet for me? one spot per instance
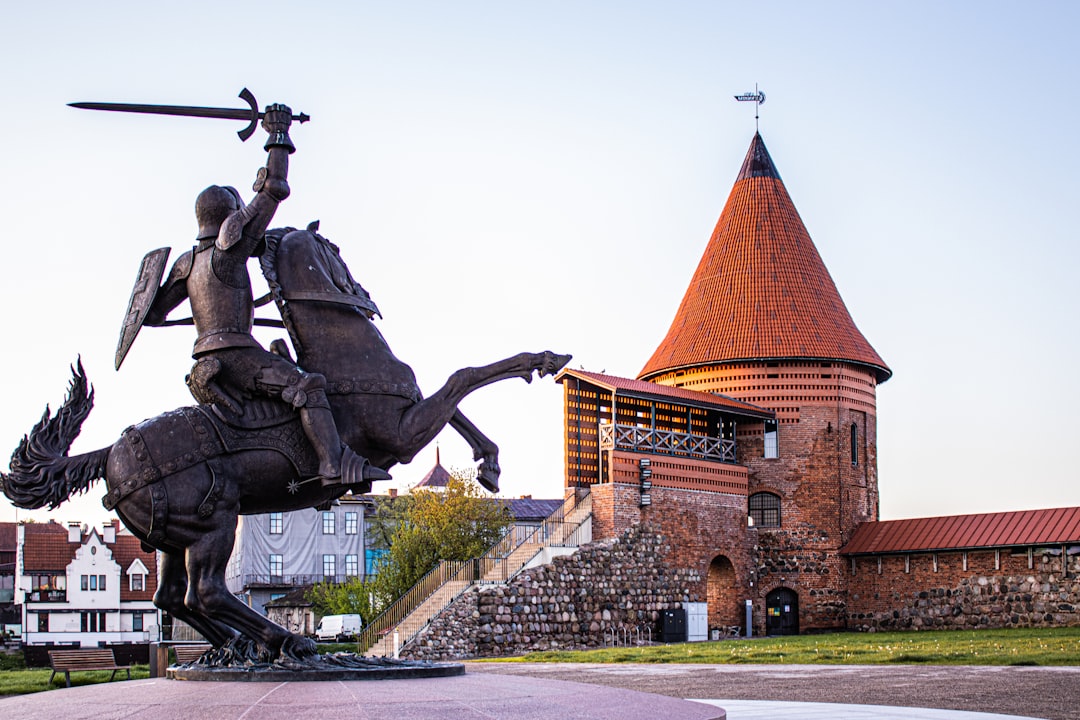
(213, 205)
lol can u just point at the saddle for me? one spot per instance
(177, 440)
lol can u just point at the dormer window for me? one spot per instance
(137, 573)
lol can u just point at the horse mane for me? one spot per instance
(269, 263)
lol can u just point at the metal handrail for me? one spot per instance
(495, 565)
(389, 618)
(666, 442)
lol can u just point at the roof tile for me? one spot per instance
(761, 289)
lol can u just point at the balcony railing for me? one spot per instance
(290, 580)
(666, 442)
(48, 596)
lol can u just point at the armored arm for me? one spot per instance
(172, 292)
(248, 226)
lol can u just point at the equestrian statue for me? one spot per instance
(270, 432)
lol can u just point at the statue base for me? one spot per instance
(335, 666)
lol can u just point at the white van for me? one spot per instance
(338, 627)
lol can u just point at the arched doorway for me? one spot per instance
(782, 612)
(722, 594)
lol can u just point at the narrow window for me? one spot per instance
(854, 444)
(137, 622)
(276, 521)
(772, 448)
(43, 622)
(84, 582)
(93, 583)
(328, 522)
(276, 565)
(352, 523)
(137, 582)
(329, 566)
(352, 565)
(101, 582)
(764, 509)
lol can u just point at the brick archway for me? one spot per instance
(722, 594)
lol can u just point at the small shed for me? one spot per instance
(293, 611)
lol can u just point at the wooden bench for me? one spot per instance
(76, 660)
(189, 653)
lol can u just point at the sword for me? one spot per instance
(252, 115)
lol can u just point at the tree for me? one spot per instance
(415, 532)
(352, 596)
(458, 523)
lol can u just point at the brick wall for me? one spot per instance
(934, 591)
(824, 495)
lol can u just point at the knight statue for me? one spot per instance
(231, 367)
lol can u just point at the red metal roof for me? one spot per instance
(956, 532)
(761, 290)
(643, 387)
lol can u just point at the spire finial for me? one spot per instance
(758, 98)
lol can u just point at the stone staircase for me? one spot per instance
(563, 529)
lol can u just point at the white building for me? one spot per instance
(85, 586)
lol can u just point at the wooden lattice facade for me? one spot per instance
(688, 436)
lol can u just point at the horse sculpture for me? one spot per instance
(180, 480)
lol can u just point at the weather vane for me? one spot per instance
(758, 98)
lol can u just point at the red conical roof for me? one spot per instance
(761, 291)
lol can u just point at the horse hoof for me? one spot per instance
(297, 647)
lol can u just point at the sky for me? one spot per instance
(509, 176)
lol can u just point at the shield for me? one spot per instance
(146, 287)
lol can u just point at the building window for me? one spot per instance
(276, 522)
(93, 583)
(854, 444)
(772, 445)
(137, 622)
(352, 523)
(84, 583)
(137, 582)
(329, 566)
(43, 622)
(92, 622)
(328, 522)
(277, 565)
(352, 565)
(101, 582)
(765, 509)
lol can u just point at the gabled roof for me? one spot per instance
(643, 388)
(960, 532)
(125, 551)
(761, 290)
(8, 536)
(46, 548)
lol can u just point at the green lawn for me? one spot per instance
(21, 681)
(1024, 646)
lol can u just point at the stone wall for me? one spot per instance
(615, 584)
(935, 592)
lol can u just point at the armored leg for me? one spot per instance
(338, 464)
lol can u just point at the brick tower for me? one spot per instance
(762, 322)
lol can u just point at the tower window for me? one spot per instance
(764, 509)
(772, 447)
(854, 444)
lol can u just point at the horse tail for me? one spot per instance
(41, 473)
